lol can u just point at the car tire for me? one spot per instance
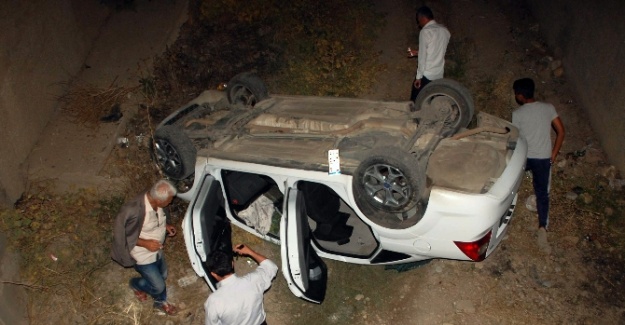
(173, 152)
(388, 187)
(246, 90)
(450, 98)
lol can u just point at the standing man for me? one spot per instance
(535, 120)
(433, 40)
(138, 238)
(238, 300)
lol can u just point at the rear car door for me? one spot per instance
(306, 274)
(206, 227)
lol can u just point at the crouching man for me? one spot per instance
(238, 300)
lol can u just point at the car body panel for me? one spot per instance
(471, 190)
(274, 149)
(282, 125)
(446, 215)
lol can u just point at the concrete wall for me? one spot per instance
(42, 46)
(590, 37)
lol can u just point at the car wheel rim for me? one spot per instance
(167, 158)
(243, 97)
(386, 185)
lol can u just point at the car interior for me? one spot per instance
(335, 226)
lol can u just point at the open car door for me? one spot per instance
(303, 269)
(210, 228)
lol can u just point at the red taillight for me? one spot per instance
(475, 250)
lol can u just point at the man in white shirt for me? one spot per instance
(433, 40)
(535, 120)
(138, 238)
(238, 300)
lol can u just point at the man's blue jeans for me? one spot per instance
(152, 280)
(541, 176)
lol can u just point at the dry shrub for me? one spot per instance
(88, 104)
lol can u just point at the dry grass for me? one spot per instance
(63, 241)
(87, 104)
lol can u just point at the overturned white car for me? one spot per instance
(354, 180)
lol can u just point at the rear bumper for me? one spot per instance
(464, 217)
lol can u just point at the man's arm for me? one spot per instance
(265, 272)
(558, 127)
(242, 249)
(424, 39)
(152, 245)
(211, 308)
(126, 231)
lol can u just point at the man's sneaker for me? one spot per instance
(141, 296)
(165, 308)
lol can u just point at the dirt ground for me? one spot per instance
(580, 282)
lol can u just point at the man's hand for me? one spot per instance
(242, 249)
(412, 53)
(171, 230)
(417, 83)
(150, 244)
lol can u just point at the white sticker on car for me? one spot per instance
(334, 162)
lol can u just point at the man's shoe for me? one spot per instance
(141, 296)
(165, 308)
